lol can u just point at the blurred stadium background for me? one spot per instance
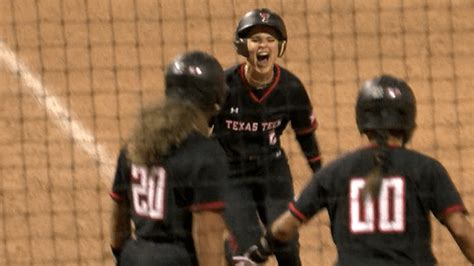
(74, 73)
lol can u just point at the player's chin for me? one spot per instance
(264, 67)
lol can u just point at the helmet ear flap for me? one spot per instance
(241, 46)
(281, 48)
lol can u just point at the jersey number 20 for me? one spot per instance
(148, 191)
(386, 214)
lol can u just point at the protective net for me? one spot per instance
(74, 73)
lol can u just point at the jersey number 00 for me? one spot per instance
(386, 214)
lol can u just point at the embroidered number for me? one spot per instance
(148, 191)
(386, 214)
(272, 138)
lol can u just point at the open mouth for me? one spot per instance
(263, 57)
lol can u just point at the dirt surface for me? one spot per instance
(73, 74)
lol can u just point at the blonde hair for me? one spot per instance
(162, 126)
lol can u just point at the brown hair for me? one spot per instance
(381, 159)
(163, 126)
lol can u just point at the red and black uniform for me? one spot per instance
(393, 229)
(249, 127)
(162, 198)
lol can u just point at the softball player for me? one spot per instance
(379, 197)
(263, 99)
(163, 183)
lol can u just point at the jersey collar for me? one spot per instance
(268, 90)
(389, 145)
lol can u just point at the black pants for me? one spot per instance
(258, 192)
(148, 253)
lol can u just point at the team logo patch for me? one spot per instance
(264, 16)
(234, 110)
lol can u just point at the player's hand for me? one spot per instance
(243, 261)
(116, 253)
(259, 252)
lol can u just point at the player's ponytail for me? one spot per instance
(381, 160)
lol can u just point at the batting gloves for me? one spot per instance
(260, 251)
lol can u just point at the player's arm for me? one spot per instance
(282, 230)
(304, 123)
(209, 227)
(461, 230)
(120, 224)
(285, 227)
(311, 200)
(120, 227)
(208, 233)
(310, 147)
(449, 208)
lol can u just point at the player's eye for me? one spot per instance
(255, 39)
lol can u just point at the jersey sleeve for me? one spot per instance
(445, 197)
(303, 120)
(304, 124)
(310, 147)
(312, 199)
(121, 181)
(209, 184)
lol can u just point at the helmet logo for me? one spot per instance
(180, 68)
(195, 70)
(264, 16)
(393, 92)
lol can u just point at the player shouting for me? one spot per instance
(263, 99)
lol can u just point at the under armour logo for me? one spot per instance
(264, 16)
(234, 110)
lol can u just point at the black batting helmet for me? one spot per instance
(386, 103)
(197, 77)
(264, 17)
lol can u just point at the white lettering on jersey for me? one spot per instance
(241, 126)
(390, 214)
(270, 125)
(251, 126)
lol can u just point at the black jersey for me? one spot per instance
(162, 198)
(252, 121)
(395, 227)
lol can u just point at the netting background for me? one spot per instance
(73, 74)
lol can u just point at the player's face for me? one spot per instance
(263, 49)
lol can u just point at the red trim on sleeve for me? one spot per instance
(454, 208)
(296, 212)
(314, 159)
(313, 127)
(232, 242)
(209, 206)
(115, 196)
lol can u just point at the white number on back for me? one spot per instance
(148, 191)
(385, 215)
